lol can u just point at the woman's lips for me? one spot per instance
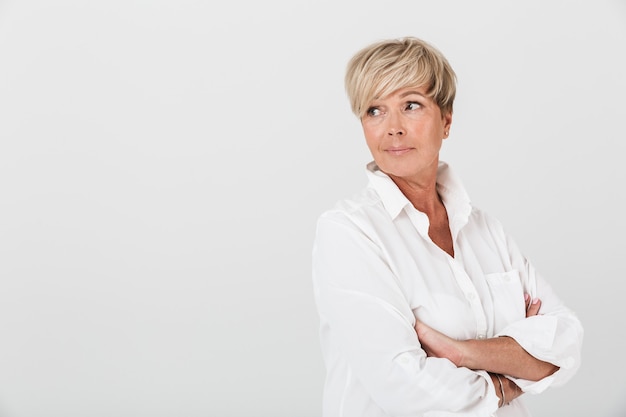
(398, 151)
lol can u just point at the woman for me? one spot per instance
(427, 307)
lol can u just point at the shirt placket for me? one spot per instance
(471, 295)
(420, 222)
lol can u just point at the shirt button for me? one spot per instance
(471, 296)
(481, 336)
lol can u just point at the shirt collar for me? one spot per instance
(392, 198)
(450, 189)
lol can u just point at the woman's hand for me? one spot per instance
(510, 389)
(532, 305)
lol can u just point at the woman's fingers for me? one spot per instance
(532, 305)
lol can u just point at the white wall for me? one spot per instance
(162, 165)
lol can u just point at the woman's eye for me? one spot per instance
(373, 111)
(412, 105)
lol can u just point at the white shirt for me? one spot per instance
(375, 270)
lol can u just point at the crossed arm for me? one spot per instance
(498, 356)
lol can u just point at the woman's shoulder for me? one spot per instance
(359, 208)
(365, 199)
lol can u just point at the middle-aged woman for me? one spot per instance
(427, 307)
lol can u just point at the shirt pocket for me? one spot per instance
(507, 295)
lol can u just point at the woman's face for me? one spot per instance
(404, 132)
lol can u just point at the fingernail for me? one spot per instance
(535, 300)
(526, 297)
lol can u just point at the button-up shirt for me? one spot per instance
(376, 270)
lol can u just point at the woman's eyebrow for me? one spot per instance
(408, 93)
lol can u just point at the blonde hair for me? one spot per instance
(386, 66)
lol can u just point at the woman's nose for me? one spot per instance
(394, 126)
(395, 131)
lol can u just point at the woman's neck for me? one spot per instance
(422, 194)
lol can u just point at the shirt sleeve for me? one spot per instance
(367, 321)
(555, 335)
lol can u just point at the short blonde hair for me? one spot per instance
(386, 66)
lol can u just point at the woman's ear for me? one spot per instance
(447, 123)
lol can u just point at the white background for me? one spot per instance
(162, 165)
